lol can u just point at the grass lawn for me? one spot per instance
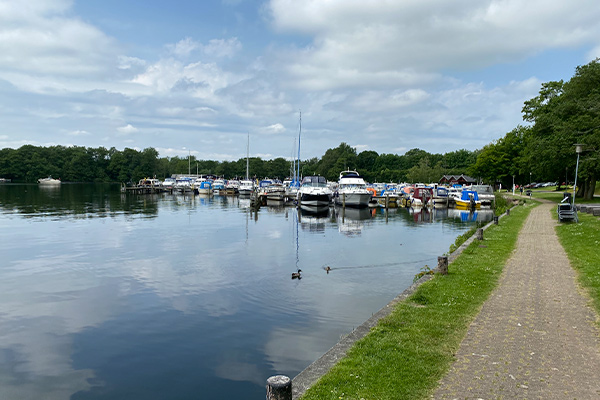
(581, 241)
(407, 353)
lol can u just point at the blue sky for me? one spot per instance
(198, 76)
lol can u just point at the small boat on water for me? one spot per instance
(169, 183)
(440, 197)
(469, 200)
(218, 186)
(352, 190)
(246, 187)
(49, 181)
(422, 196)
(485, 193)
(203, 187)
(314, 192)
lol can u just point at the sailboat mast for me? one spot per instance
(247, 156)
(299, 133)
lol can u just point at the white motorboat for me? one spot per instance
(246, 187)
(485, 193)
(314, 192)
(352, 190)
(49, 181)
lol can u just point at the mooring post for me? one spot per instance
(343, 200)
(279, 387)
(495, 220)
(443, 265)
(480, 234)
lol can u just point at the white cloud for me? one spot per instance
(127, 129)
(37, 38)
(273, 129)
(403, 41)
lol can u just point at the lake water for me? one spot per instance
(111, 296)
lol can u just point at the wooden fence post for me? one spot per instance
(279, 387)
(443, 265)
(480, 234)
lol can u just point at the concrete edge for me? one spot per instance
(311, 374)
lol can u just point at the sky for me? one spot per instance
(204, 78)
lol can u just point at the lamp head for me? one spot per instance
(578, 148)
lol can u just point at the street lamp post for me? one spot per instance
(513, 185)
(530, 179)
(578, 150)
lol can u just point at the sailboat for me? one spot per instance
(247, 185)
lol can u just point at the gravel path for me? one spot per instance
(535, 336)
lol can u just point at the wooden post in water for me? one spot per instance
(443, 265)
(279, 387)
(344, 200)
(480, 234)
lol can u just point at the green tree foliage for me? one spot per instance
(80, 164)
(501, 160)
(564, 114)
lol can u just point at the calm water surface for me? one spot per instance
(107, 296)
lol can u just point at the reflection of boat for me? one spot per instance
(314, 210)
(314, 192)
(469, 200)
(471, 215)
(350, 220)
(49, 181)
(421, 214)
(352, 190)
(314, 219)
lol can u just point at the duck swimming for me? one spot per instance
(327, 269)
(296, 274)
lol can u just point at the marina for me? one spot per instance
(129, 296)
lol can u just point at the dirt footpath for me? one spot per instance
(535, 336)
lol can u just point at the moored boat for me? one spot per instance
(469, 200)
(352, 190)
(314, 192)
(440, 197)
(49, 181)
(422, 196)
(246, 187)
(485, 193)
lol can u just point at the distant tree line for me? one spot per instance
(80, 164)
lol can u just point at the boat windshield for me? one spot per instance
(317, 181)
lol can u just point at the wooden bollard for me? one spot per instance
(443, 265)
(495, 220)
(279, 387)
(480, 234)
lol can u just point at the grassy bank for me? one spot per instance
(410, 350)
(581, 242)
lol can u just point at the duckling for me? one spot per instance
(327, 269)
(296, 274)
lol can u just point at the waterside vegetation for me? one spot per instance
(406, 354)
